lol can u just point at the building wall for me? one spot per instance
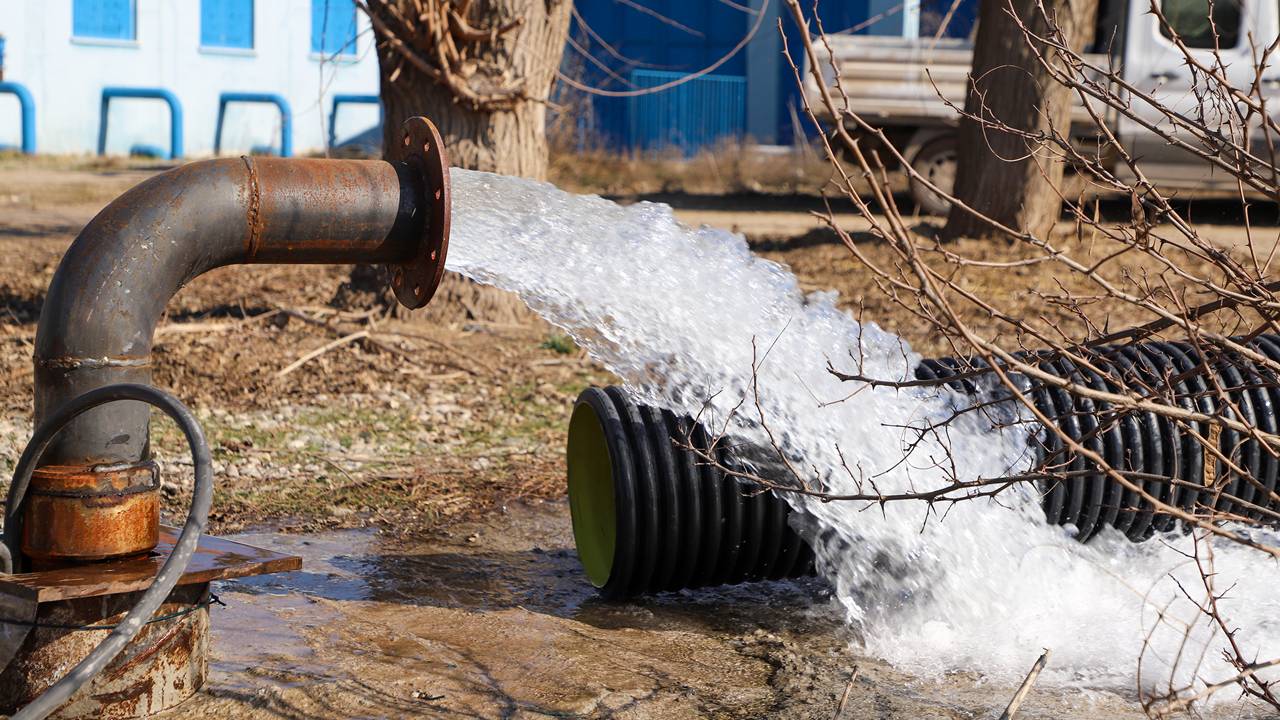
(66, 78)
(695, 34)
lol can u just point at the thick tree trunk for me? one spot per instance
(511, 141)
(997, 173)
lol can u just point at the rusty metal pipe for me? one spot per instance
(111, 288)
(112, 285)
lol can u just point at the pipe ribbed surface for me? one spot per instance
(648, 518)
(1183, 472)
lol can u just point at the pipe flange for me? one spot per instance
(415, 281)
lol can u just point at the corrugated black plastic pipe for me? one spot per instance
(1174, 465)
(647, 517)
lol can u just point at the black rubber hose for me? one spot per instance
(1108, 434)
(1069, 420)
(1152, 438)
(752, 528)
(619, 539)
(1240, 449)
(712, 518)
(646, 492)
(1264, 416)
(771, 549)
(1096, 483)
(170, 572)
(1053, 450)
(690, 498)
(695, 526)
(1271, 351)
(731, 543)
(671, 530)
(1191, 385)
(924, 370)
(792, 555)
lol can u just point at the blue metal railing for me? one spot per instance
(27, 104)
(175, 115)
(690, 116)
(342, 100)
(286, 117)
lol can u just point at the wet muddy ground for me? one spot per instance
(495, 619)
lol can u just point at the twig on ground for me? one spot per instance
(1025, 688)
(844, 696)
(359, 335)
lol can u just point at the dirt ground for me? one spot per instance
(492, 619)
(425, 465)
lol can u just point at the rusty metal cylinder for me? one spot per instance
(79, 514)
(167, 663)
(330, 211)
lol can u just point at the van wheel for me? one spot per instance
(937, 162)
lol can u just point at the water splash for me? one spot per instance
(683, 315)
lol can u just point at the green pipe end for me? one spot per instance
(591, 496)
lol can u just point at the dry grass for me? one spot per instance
(728, 168)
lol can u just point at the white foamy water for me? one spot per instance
(673, 311)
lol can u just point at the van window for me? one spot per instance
(1108, 29)
(1190, 19)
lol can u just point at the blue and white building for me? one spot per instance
(281, 64)
(278, 62)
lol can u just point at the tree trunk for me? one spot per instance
(999, 174)
(482, 71)
(507, 137)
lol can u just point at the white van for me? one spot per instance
(893, 84)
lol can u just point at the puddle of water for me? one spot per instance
(512, 566)
(335, 565)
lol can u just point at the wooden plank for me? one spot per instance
(214, 559)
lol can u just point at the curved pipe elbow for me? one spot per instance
(111, 288)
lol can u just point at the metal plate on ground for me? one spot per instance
(214, 559)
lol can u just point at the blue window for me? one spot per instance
(226, 23)
(333, 27)
(106, 19)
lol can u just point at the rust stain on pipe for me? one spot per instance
(77, 514)
(255, 212)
